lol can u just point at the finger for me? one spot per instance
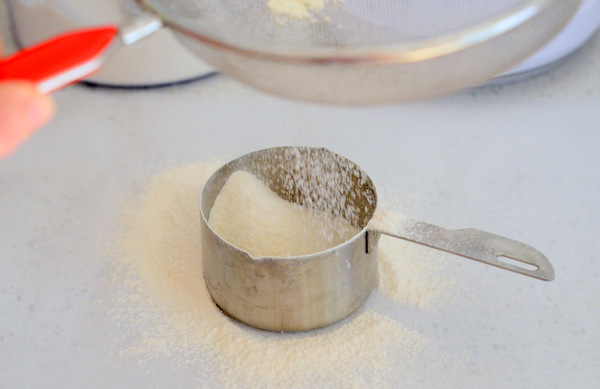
(22, 110)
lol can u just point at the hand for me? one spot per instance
(22, 111)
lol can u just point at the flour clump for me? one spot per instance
(296, 9)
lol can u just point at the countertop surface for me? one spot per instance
(520, 160)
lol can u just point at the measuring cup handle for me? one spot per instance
(478, 245)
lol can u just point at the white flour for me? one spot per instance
(409, 273)
(301, 9)
(296, 9)
(161, 302)
(249, 215)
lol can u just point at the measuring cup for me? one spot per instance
(353, 53)
(311, 291)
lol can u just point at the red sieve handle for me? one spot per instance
(61, 60)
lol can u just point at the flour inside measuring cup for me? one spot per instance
(249, 215)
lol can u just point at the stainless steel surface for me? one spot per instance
(70, 76)
(306, 292)
(576, 33)
(478, 245)
(382, 52)
(285, 294)
(140, 28)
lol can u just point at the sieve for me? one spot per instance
(311, 291)
(352, 52)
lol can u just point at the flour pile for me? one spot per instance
(249, 215)
(165, 312)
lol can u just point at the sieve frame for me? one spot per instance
(414, 51)
(384, 74)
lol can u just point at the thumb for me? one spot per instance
(22, 110)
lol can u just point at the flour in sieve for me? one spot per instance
(296, 9)
(300, 9)
(161, 300)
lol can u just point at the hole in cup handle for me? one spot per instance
(504, 253)
(516, 263)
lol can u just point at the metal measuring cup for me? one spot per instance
(311, 291)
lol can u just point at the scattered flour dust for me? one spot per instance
(414, 275)
(165, 311)
(409, 273)
(249, 215)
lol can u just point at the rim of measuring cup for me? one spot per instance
(296, 258)
(402, 52)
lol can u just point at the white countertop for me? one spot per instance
(522, 160)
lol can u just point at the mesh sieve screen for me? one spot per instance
(339, 24)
